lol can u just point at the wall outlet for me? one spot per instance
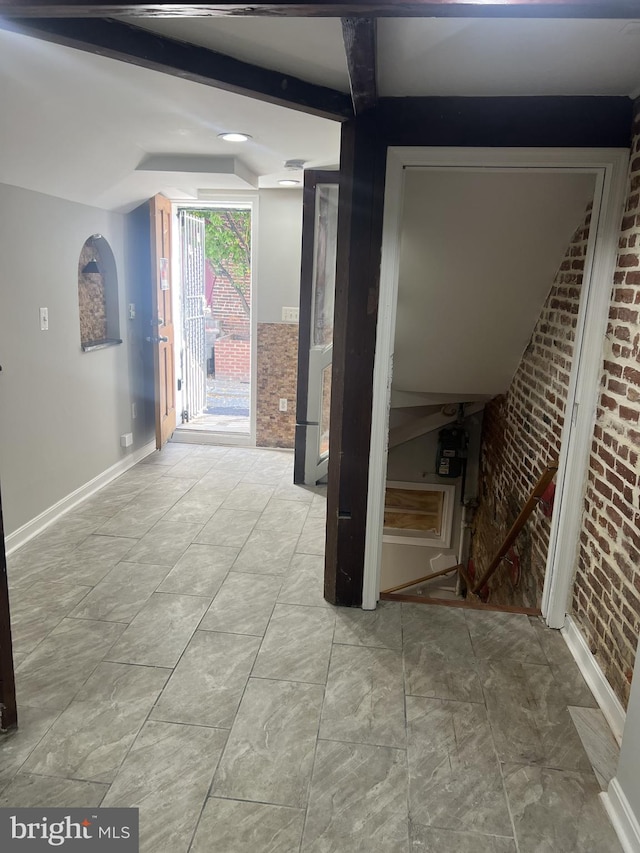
(44, 319)
(132, 311)
(290, 315)
(126, 440)
(133, 412)
(283, 404)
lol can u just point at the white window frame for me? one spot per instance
(413, 538)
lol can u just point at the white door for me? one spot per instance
(315, 345)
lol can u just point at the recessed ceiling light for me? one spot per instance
(288, 182)
(234, 136)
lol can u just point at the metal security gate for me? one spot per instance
(194, 359)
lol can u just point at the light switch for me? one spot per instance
(44, 319)
(290, 315)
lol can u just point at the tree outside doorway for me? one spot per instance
(228, 315)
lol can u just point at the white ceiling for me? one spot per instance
(77, 126)
(436, 56)
(309, 48)
(507, 56)
(471, 286)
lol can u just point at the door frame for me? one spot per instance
(610, 167)
(225, 199)
(8, 707)
(162, 332)
(312, 177)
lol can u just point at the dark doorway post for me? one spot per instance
(8, 711)
(362, 172)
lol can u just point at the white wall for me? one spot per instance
(479, 252)
(624, 789)
(62, 411)
(627, 774)
(279, 247)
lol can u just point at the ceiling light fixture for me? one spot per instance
(234, 136)
(288, 182)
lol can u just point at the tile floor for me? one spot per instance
(175, 653)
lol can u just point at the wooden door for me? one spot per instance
(162, 336)
(8, 713)
(315, 336)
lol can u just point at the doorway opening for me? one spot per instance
(495, 322)
(480, 355)
(214, 358)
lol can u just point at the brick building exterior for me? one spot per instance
(230, 325)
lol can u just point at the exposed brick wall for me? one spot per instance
(226, 303)
(521, 435)
(606, 600)
(233, 359)
(277, 377)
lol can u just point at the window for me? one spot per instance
(418, 513)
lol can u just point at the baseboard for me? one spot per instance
(605, 697)
(622, 817)
(195, 436)
(32, 528)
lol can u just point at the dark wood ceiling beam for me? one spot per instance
(127, 43)
(507, 122)
(337, 8)
(359, 36)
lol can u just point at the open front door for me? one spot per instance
(315, 342)
(162, 337)
(8, 714)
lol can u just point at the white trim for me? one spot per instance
(496, 159)
(32, 528)
(587, 664)
(382, 376)
(622, 817)
(582, 398)
(189, 435)
(178, 323)
(564, 480)
(248, 200)
(610, 168)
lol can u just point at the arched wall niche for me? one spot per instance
(98, 295)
